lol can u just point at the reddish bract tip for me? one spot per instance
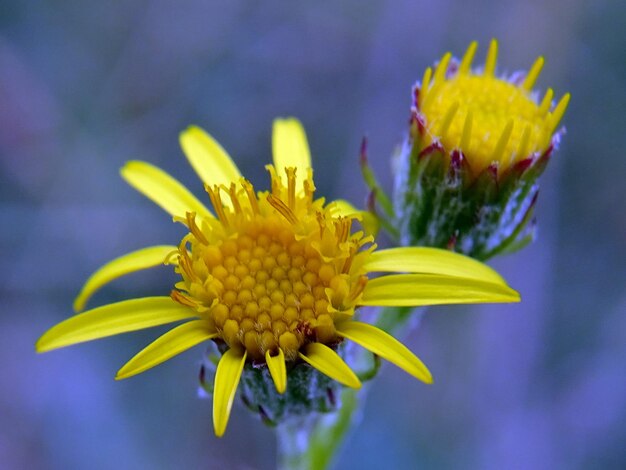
(202, 375)
(435, 147)
(416, 120)
(371, 201)
(458, 164)
(493, 171)
(456, 160)
(523, 165)
(548, 152)
(453, 67)
(331, 396)
(363, 152)
(416, 95)
(452, 242)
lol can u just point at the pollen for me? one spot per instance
(274, 269)
(489, 119)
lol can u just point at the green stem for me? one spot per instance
(311, 443)
(293, 438)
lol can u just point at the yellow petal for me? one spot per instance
(207, 157)
(129, 263)
(430, 261)
(442, 68)
(162, 189)
(290, 148)
(386, 346)
(226, 380)
(170, 344)
(112, 319)
(410, 290)
(533, 74)
(329, 363)
(344, 208)
(278, 371)
(468, 57)
(492, 57)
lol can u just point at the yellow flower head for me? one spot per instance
(489, 119)
(274, 276)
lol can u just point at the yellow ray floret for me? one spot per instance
(207, 157)
(328, 362)
(113, 319)
(488, 118)
(386, 346)
(129, 263)
(290, 147)
(278, 369)
(412, 259)
(162, 189)
(226, 381)
(167, 346)
(275, 276)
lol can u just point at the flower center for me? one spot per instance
(491, 120)
(272, 270)
(494, 104)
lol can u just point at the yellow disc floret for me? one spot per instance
(274, 269)
(490, 119)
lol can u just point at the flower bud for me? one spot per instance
(466, 175)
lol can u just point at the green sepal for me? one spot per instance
(377, 195)
(308, 390)
(439, 203)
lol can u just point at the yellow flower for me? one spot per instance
(273, 276)
(489, 119)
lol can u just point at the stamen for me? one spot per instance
(181, 298)
(342, 229)
(216, 201)
(425, 84)
(368, 239)
(171, 258)
(194, 229)
(249, 189)
(502, 141)
(291, 187)
(468, 57)
(442, 68)
(309, 188)
(524, 144)
(533, 74)
(467, 132)
(185, 241)
(184, 263)
(321, 222)
(447, 119)
(282, 208)
(348, 263)
(276, 183)
(232, 192)
(492, 57)
(347, 227)
(544, 107)
(358, 288)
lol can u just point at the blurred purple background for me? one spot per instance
(85, 87)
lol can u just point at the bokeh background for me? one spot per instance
(85, 86)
